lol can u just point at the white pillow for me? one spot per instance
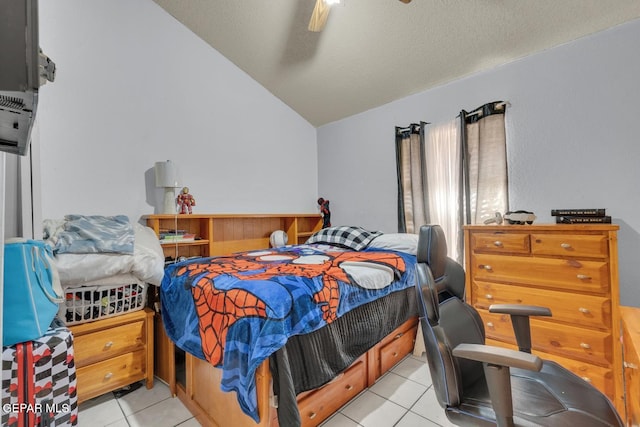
(402, 242)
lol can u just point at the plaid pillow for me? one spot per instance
(355, 238)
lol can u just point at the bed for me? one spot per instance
(302, 327)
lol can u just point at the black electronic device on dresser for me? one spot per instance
(23, 69)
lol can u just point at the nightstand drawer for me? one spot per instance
(110, 374)
(103, 344)
(570, 245)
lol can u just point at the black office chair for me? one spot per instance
(479, 385)
(449, 276)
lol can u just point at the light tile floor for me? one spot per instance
(403, 397)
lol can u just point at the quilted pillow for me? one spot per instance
(402, 242)
(350, 237)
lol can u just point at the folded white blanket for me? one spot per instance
(146, 263)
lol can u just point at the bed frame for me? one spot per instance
(199, 384)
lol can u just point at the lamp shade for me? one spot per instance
(166, 174)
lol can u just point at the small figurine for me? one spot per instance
(325, 212)
(185, 201)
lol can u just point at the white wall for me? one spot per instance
(573, 139)
(133, 87)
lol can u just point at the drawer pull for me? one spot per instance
(488, 296)
(587, 379)
(585, 345)
(349, 387)
(108, 376)
(497, 243)
(395, 354)
(486, 267)
(108, 344)
(584, 310)
(583, 277)
(489, 324)
(630, 365)
(312, 415)
(398, 336)
(565, 245)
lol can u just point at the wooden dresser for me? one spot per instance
(113, 353)
(631, 343)
(573, 270)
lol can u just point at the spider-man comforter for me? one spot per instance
(235, 311)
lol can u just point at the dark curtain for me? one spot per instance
(410, 155)
(484, 162)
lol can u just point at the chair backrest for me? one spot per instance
(449, 276)
(444, 326)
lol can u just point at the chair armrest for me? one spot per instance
(498, 356)
(496, 363)
(520, 310)
(520, 320)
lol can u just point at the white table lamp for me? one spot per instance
(167, 177)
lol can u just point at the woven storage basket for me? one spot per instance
(89, 303)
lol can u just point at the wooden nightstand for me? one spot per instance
(113, 352)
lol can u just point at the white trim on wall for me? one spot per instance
(3, 206)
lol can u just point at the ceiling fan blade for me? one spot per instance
(319, 16)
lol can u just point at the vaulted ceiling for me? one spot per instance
(372, 52)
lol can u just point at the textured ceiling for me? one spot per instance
(372, 52)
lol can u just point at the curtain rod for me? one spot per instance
(413, 127)
(479, 109)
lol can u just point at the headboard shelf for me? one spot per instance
(222, 234)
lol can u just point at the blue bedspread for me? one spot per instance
(235, 311)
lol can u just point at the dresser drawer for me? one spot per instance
(584, 310)
(317, 405)
(572, 342)
(601, 378)
(501, 243)
(563, 274)
(570, 245)
(105, 343)
(110, 374)
(497, 326)
(568, 341)
(598, 376)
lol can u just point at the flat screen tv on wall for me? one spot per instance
(23, 69)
